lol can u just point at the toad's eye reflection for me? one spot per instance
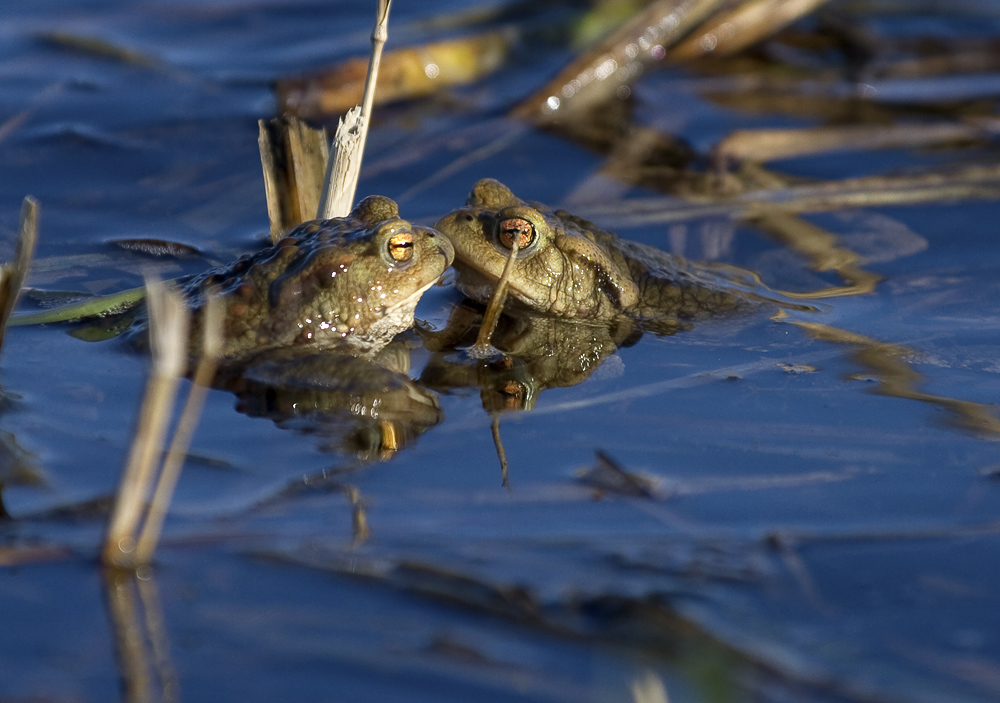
(401, 247)
(516, 229)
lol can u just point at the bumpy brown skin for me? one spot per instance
(328, 284)
(573, 270)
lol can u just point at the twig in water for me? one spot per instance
(481, 349)
(344, 168)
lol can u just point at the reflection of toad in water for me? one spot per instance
(537, 352)
(359, 407)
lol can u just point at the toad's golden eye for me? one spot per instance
(401, 246)
(515, 229)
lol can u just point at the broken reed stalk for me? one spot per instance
(344, 168)
(171, 471)
(294, 157)
(12, 274)
(125, 546)
(168, 331)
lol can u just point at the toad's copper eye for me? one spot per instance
(512, 395)
(400, 246)
(515, 229)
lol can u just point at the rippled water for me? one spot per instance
(824, 505)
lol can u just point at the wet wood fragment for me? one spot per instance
(293, 156)
(208, 356)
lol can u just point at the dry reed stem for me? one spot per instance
(12, 274)
(344, 168)
(617, 60)
(169, 322)
(171, 471)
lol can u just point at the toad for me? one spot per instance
(349, 283)
(568, 268)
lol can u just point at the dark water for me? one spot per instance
(810, 537)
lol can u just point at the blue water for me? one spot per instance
(808, 538)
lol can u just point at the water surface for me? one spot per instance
(823, 521)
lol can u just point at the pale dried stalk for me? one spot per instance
(171, 471)
(344, 168)
(12, 274)
(169, 322)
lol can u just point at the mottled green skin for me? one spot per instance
(576, 271)
(328, 284)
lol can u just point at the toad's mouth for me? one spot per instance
(413, 298)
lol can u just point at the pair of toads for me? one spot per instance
(351, 284)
